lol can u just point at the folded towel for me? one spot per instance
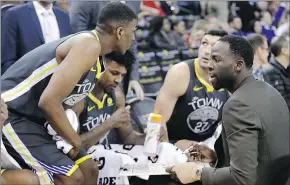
(60, 142)
(110, 163)
(167, 154)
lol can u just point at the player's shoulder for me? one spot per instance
(86, 40)
(179, 70)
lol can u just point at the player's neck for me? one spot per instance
(239, 81)
(203, 73)
(98, 92)
(106, 41)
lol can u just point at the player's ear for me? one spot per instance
(120, 32)
(240, 64)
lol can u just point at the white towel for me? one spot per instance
(60, 142)
(211, 141)
(168, 154)
(110, 163)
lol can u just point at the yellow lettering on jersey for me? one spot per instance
(195, 88)
(91, 108)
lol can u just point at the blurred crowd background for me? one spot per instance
(168, 31)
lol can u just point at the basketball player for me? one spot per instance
(17, 177)
(48, 80)
(102, 114)
(188, 103)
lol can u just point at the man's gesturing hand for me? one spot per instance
(186, 172)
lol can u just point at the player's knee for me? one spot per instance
(19, 177)
(28, 177)
(90, 168)
(95, 169)
(77, 177)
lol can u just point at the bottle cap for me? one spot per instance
(156, 117)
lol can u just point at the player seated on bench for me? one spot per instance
(103, 117)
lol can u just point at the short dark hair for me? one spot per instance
(277, 44)
(156, 24)
(115, 11)
(231, 18)
(125, 60)
(256, 40)
(240, 47)
(216, 32)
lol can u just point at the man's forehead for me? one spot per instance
(113, 65)
(210, 38)
(220, 48)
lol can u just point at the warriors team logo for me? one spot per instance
(82, 90)
(110, 101)
(205, 114)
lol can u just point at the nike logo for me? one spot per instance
(197, 88)
(93, 70)
(91, 108)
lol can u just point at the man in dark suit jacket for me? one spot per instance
(5, 5)
(22, 29)
(255, 122)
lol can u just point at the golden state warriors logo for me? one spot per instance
(110, 102)
(204, 115)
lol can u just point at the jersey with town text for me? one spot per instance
(198, 112)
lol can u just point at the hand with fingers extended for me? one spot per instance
(202, 153)
(136, 87)
(185, 144)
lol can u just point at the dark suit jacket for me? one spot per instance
(255, 135)
(21, 32)
(4, 9)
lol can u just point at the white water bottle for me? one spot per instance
(153, 130)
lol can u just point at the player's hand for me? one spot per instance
(185, 144)
(202, 153)
(4, 112)
(121, 117)
(163, 135)
(185, 172)
(136, 87)
(76, 144)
